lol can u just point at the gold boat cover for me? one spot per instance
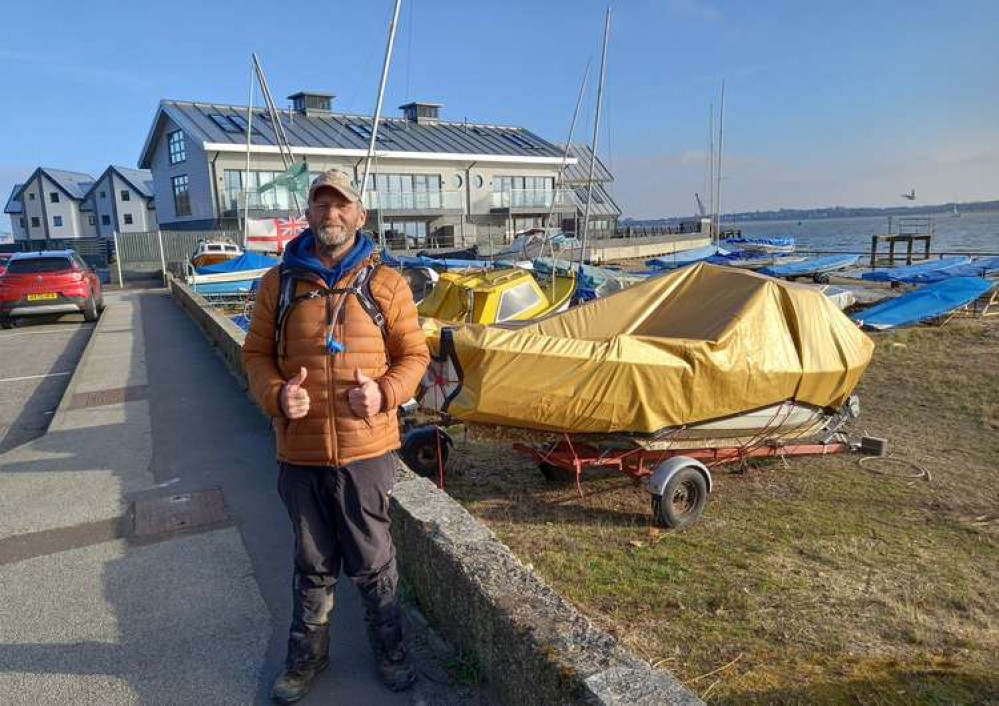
(697, 344)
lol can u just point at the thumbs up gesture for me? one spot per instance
(365, 399)
(294, 398)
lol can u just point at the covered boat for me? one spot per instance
(703, 351)
(491, 296)
(235, 276)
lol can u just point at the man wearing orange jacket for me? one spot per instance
(334, 347)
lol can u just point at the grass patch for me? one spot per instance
(816, 582)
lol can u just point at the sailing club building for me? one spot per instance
(434, 182)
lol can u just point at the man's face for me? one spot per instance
(333, 218)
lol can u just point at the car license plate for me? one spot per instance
(36, 297)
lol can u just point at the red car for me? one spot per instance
(48, 282)
(4, 257)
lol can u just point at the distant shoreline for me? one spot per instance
(812, 214)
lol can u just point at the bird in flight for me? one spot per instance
(911, 195)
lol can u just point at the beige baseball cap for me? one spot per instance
(335, 179)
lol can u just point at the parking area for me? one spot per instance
(37, 359)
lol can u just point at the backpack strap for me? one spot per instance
(360, 287)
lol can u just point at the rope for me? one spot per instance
(920, 471)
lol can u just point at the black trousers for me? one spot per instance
(340, 518)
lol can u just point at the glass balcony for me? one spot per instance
(531, 198)
(414, 200)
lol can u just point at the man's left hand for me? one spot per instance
(365, 399)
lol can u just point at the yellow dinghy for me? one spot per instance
(495, 296)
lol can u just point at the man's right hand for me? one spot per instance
(294, 397)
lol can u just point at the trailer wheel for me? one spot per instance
(419, 451)
(682, 500)
(556, 474)
(820, 278)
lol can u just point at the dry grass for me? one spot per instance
(815, 582)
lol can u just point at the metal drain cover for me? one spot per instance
(179, 511)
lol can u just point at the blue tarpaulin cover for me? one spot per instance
(682, 257)
(898, 274)
(981, 267)
(814, 265)
(923, 304)
(246, 261)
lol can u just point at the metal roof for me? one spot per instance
(139, 179)
(603, 204)
(225, 124)
(75, 184)
(579, 173)
(14, 204)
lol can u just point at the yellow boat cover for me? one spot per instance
(701, 343)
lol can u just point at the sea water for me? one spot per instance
(968, 232)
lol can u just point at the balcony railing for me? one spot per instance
(415, 200)
(531, 198)
(270, 200)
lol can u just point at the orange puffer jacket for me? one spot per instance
(331, 434)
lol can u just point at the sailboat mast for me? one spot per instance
(711, 171)
(721, 140)
(284, 147)
(246, 175)
(596, 132)
(565, 154)
(378, 107)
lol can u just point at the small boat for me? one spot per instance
(495, 296)
(980, 267)
(212, 252)
(681, 258)
(923, 304)
(906, 272)
(749, 260)
(236, 276)
(760, 244)
(534, 243)
(813, 267)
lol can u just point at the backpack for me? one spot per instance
(360, 287)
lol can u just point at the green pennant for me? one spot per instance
(295, 179)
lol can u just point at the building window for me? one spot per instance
(90, 220)
(54, 196)
(277, 198)
(126, 195)
(31, 196)
(22, 221)
(181, 196)
(406, 234)
(104, 194)
(57, 221)
(413, 192)
(128, 219)
(35, 223)
(175, 143)
(522, 192)
(105, 220)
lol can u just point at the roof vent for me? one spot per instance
(421, 113)
(312, 102)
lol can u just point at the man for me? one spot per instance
(334, 347)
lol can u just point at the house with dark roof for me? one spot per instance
(604, 211)
(432, 179)
(121, 200)
(50, 204)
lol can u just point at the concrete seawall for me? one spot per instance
(533, 646)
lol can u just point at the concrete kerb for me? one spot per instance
(532, 645)
(74, 380)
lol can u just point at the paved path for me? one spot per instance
(91, 613)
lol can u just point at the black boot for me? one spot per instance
(309, 640)
(385, 635)
(308, 655)
(383, 621)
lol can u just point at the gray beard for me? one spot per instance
(330, 239)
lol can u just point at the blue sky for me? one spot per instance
(846, 103)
